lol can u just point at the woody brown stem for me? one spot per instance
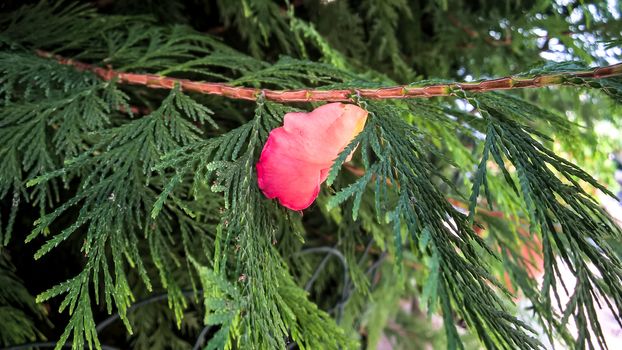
(310, 95)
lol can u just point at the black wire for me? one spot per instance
(332, 251)
(201, 338)
(377, 263)
(349, 289)
(344, 300)
(105, 323)
(366, 251)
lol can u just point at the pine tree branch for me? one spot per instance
(310, 95)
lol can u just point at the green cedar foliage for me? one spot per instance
(18, 310)
(156, 193)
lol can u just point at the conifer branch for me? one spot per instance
(314, 95)
(137, 200)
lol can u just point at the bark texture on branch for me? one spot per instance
(340, 95)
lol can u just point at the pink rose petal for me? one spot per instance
(298, 156)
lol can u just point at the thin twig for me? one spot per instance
(309, 95)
